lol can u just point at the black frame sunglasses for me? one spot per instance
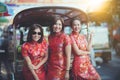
(39, 33)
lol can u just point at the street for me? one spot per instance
(110, 70)
(107, 71)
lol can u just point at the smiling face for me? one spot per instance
(76, 26)
(36, 35)
(57, 27)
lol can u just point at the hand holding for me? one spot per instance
(91, 34)
(67, 75)
(35, 67)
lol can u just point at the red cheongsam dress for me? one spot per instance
(36, 52)
(81, 67)
(57, 56)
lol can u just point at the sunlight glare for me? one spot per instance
(95, 4)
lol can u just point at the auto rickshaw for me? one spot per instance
(41, 15)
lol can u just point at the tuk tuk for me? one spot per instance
(41, 15)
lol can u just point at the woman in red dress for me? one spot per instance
(59, 51)
(81, 67)
(35, 54)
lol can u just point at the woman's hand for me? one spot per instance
(67, 75)
(35, 67)
(90, 41)
(30, 66)
(36, 78)
(90, 36)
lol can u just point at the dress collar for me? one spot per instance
(75, 33)
(34, 42)
(58, 34)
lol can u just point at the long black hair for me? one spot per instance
(31, 30)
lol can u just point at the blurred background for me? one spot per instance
(103, 20)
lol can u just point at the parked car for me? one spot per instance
(101, 43)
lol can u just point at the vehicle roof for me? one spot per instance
(42, 15)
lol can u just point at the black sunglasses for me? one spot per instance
(39, 33)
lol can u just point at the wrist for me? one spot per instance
(67, 69)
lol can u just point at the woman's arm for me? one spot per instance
(90, 41)
(68, 56)
(78, 51)
(43, 61)
(30, 66)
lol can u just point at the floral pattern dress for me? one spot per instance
(57, 56)
(36, 52)
(81, 67)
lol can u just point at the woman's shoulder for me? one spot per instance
(65, 35)
(44, 40)
(70, 34)
(26, 44)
